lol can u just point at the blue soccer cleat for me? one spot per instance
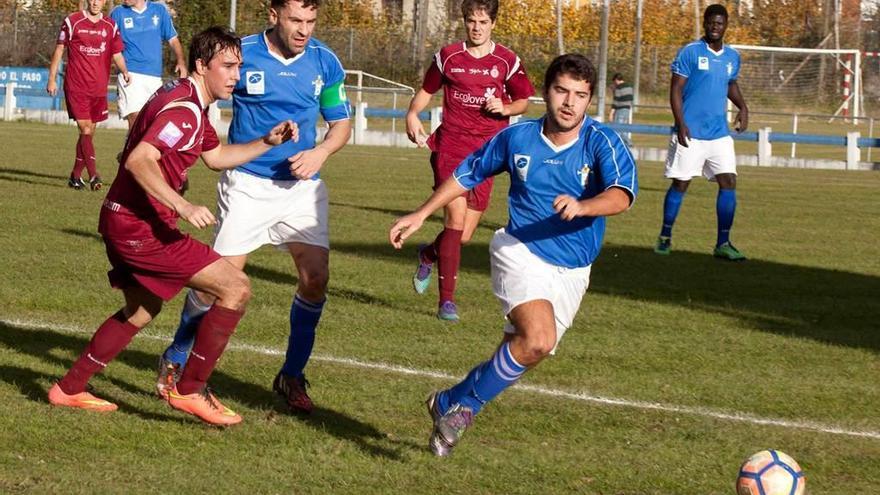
(447, 311)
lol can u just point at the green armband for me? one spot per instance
(333, 95)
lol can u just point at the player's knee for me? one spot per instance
(313, 282)
(466, 237)
(537, 349)
(238, 289)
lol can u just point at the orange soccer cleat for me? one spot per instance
(205, 406)
(82, 400)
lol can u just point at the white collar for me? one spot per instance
(278, 57)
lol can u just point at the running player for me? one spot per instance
(484, 84)
(92, 41)
(152, 260)
(567, 173)
(703, 79)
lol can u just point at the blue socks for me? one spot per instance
(484, 382)
(190, 316)
(671, 205)
(725, 208)
(304, 316)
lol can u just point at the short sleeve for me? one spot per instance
(333, 100)
(489, 160)
(736, 62)
(518, 85)
(64, 33)
(682, 63)
(173, 130)
(616, 165)
(168, 31)
(116, 43)
(433, 77)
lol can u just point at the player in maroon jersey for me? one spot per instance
(92, 41)
(484, 84)
(152, 259)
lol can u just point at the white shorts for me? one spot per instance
(132, 98)
(706, 157)
(254, 211)
(519, 276)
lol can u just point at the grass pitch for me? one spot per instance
(675, 370)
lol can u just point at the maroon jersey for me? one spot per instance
(467, 83)
(90, 47)
(175, 122)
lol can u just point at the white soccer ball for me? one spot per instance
(770, 472)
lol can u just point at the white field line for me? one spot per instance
(576, 396)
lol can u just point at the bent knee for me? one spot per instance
(313, 282)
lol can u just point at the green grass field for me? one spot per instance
(675, 370)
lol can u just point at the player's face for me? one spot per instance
(715, 27)
(294, 25)
(479, 27)
(95, 6)
(222, 73)
(567, 101)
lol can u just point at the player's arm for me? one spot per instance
(306, 164)
(227, 156)
(407, 225)
(143, 164)
(119, 61)
(52, 85)
(414, 129)
(741, 122)
(676, 89)
(180, 67)
(609, 202)
(496, 106)
(519, 88)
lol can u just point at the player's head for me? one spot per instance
(215, 57)
(479, 20)
(293, 22)
(715, 22)
(568, 90)
(94, 7)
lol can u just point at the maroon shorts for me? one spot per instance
(444, 164)
(82, 106)
(162, 267)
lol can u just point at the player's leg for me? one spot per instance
(231, 288)
(98, 113)
(682, 164)
(85, 152)
(721, 167)
(141, 306)
(448, 246)
(313, 268)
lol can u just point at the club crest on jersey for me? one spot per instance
(703, 63)
(318, 83)
(729, 68)
(128, 22)
(584, 173)
(155, 20)
(521, 163)
(494, 72)
(255, 81)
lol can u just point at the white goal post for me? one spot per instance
(791, 74)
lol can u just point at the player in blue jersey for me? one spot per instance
(567, 173)
(703, 79)
(279, 198)
(144, 25)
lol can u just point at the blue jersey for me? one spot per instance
(273, 89)
(143, 34)
(540, 171)
(704, 97)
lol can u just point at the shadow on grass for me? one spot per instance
(46, 345)
(491, 226)
(829, 306)
(82, 233)
(32, 174)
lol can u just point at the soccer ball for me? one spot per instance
(770, 472)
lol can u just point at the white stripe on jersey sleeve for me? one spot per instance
(617, 183)
(513, 69)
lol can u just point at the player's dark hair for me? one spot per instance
(617, 77)
(713, 10)
(209, 43)
(575, 65)
(277, 4)
(468, 7)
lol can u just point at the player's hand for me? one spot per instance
(741, 122)
(568, 207)
(494, 106)
(684, 135)
(181, 71)
(404, 227)
(127, 78)
(285, 131)
(415, 132)
(52, 88)
(306, 164)
(197, 215)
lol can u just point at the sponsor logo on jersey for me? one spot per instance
(521, 163)
(490, 93)
(318, 83)
(475, 72)
(456, 70)
(494, 72)
(92, 51)
(170, 134)
(468, 99)
(584, 173)
(553, 161)
(703, 63)
(62, 36)
(186, 125)
(255, 82)
(285, 73)
(128, 23)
